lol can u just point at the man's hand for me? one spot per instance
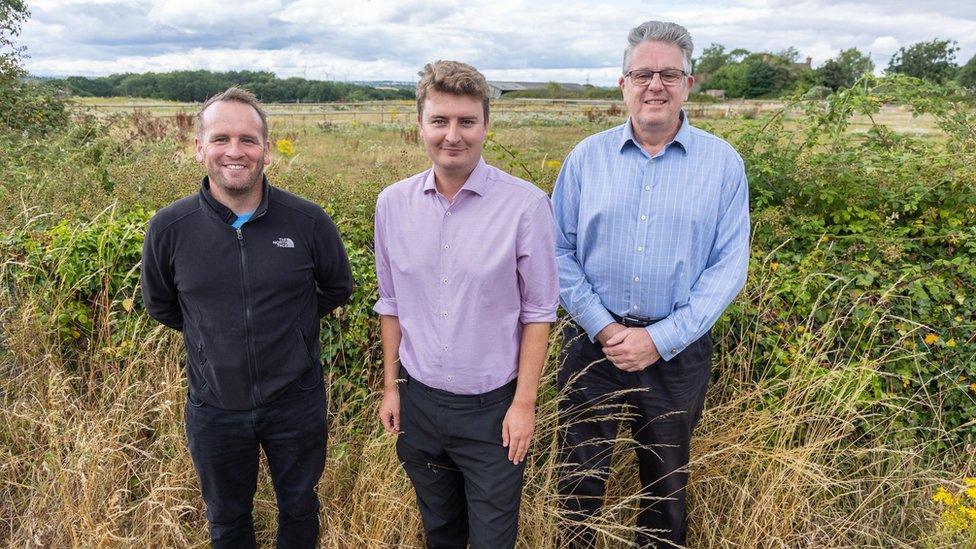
(631, 349)
(517, 430)
(390, 410)
(608, 331)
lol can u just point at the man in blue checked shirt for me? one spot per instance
(652, 244)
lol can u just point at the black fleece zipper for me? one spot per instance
(256, 397)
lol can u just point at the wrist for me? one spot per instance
(524, 404)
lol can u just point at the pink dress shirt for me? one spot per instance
(462, 277)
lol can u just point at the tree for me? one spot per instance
(711, 59)
(967, 75)
(843, 70)
(934, 61)
(731, 78)
(12, 14)
(25, 107)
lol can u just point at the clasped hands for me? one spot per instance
(629, 349)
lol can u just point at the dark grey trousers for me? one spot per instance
(451, 448)
(662, 405)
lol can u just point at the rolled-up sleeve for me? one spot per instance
(387, 302)
(536, 264)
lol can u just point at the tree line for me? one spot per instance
(742, 73)
(198, 85)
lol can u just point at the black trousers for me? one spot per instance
(661, 405)
(224, 445)
(451, 448)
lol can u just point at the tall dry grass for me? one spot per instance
(93, 453)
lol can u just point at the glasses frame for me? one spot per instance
(660, 74)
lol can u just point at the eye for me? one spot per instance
(641, 77)
(671, 76)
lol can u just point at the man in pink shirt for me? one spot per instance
(465, 259)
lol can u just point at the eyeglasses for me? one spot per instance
(643, 77)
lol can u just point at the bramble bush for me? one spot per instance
(888, 217)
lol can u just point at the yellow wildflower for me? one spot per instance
(944, 497)
(554, 164)
(285, 148)
(931, 338)
(773, 266)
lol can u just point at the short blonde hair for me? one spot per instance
(237, 95)
(452, 77)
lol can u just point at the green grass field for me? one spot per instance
(837, 410)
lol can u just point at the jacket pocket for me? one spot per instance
(313, 375)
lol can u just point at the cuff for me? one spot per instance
(386, 306)
(666, 338)
(593, 319)
(533, 313)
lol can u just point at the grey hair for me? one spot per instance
(670, 33)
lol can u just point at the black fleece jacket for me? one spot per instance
(247, 300)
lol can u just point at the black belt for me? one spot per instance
(632, 321)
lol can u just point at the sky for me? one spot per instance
(533, 40)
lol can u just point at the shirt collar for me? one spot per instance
(682, 138)
(477, 181)
(225, 213)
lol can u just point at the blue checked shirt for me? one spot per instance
(661, 237)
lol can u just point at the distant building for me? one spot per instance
(499, 88)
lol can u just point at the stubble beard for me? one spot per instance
(238, 190)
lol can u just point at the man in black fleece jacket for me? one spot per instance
(245, 270)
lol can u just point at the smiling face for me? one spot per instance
(231, 145)
(453, 128)
(654, 109)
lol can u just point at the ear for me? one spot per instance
(620, 82)
(691, 84)
(198, 146)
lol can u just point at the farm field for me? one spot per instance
(842, 410)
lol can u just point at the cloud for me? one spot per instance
(512, 39)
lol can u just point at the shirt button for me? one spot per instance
(445, 281)
(450, 378)
(640, 248)
(447, 246)
(636, 279)
(444, 313)
(445, 347)
(643, 218)
(448, 214)
(674, 351)
(634, 307)
(647, 187)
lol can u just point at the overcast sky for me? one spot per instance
(538, 40)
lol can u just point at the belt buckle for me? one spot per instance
(632, 322)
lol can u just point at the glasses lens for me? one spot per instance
(671, 76)
(641, 78)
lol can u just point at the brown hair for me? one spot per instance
(238, 95)
(452, 77)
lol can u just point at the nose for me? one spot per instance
(656, 83)
(453, 132)
(234, 148)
